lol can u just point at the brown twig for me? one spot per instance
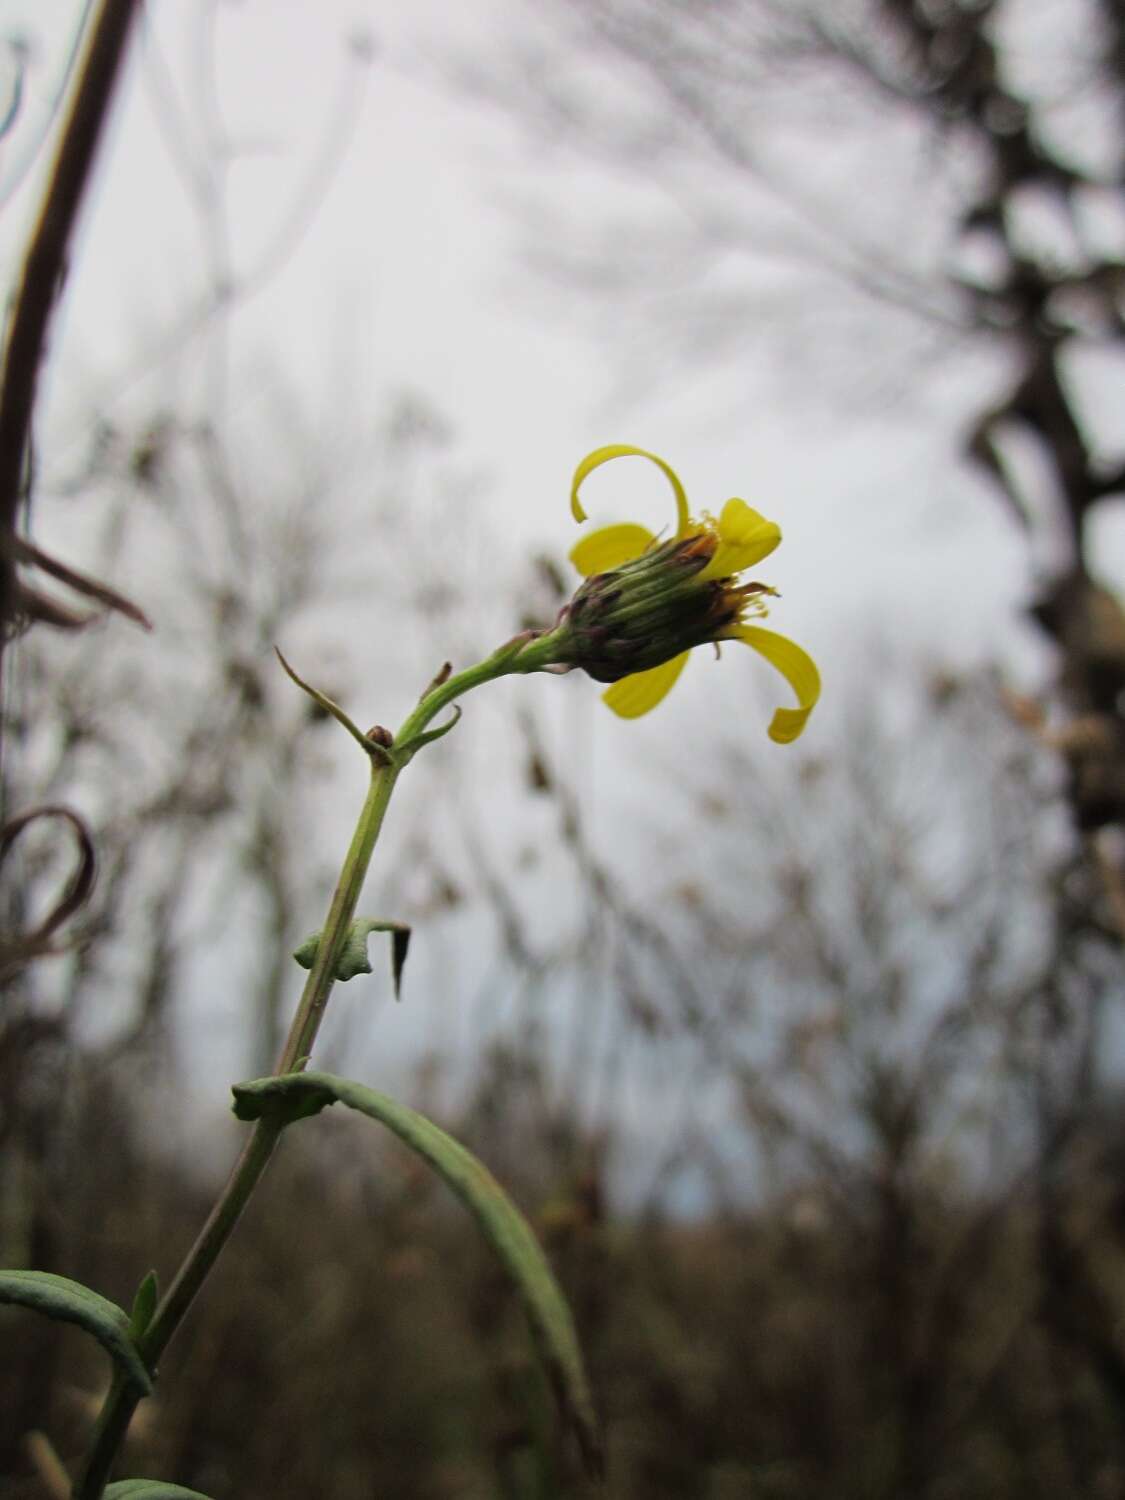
(45, 264)
(15, 549)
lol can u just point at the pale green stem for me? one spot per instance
(122, 1400)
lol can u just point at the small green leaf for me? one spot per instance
(353, 957)
(149, 1489)
(71, 1302)
(406, 750)
(305, 953)
(144, 1305)
(298, 1095)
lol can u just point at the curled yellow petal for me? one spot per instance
(609, 547)
(635, 695)
(745, 537)
(798, 669)
(601, 456)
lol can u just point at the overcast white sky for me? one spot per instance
(410, 264)
(407, 275)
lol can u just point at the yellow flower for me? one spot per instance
(646, 603)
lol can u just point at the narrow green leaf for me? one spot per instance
(71, 1302)
(144, 1305)
(407, 749)
(297, 1095)
(374, 749)
(149, 1489)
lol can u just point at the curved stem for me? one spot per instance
(518, 656)
(530, 652)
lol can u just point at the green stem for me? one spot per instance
(123, 1398)
(530, 653)
(322, 976)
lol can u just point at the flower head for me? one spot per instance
(645, 603)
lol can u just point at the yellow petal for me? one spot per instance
(798, 669)
(745, 537)
(633, 696)
(601, 456)
(609, 547)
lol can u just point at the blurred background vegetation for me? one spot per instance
(807, 1069)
